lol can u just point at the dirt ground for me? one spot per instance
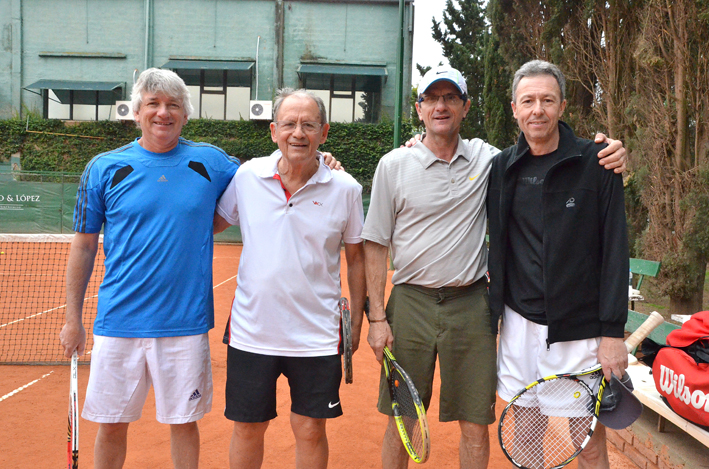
(34, 419)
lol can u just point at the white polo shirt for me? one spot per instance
(432, 213)
(288, 284)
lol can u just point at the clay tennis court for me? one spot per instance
(34, 419)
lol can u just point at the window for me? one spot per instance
(219, 89)
(78, 100)
(352, 93)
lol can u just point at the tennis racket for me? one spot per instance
(73, 432)
(409, 413)
(346, 328)
(548, 423)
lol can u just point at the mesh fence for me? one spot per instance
(36, 211)
(33, 297)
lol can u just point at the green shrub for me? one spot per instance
(52, 145)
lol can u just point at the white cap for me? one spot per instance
(443, 73)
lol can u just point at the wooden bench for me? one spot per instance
(644, 385)
(641, 268)
(658, 335)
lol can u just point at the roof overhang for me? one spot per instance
(175, 64)
(84, 92)
(341, 76)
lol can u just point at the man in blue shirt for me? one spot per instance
(155, 199)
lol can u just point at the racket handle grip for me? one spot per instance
(654, 320)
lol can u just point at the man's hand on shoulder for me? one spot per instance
(413, 141)
(613, 156)
(331, 162)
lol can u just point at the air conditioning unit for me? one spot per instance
(260, 110)
(124, 111)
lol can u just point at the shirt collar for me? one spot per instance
(322, 175)
(426, 157)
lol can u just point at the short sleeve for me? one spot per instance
(90, 209)
(355, 222)
(227, 206)
(379, 225)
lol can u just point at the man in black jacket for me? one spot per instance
(558, 248)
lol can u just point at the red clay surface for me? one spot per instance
(34, 420)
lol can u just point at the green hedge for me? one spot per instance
(358, 146)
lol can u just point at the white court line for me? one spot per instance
(225, 281)
(64, 306)
(39, 314)
(23, 387)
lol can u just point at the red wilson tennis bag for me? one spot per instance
(681, 370)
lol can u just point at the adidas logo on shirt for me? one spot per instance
(162, 179)
(195, 394)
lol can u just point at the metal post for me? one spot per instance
(398, 104)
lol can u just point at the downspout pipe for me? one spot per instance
(147, 34)
(258, 41)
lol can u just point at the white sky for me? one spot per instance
(426, 50)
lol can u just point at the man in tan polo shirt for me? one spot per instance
(428, 208)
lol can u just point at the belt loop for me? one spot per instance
(441, 296)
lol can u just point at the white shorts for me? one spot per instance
(522, 355)
(123, 369)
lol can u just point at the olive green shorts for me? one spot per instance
(453, 324)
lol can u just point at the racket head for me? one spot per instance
(73, 428)
(409, 412)
(346, 322)
(524, 454)
(548, 423)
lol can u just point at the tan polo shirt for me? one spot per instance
(432, 213)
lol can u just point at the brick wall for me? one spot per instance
(650, 449)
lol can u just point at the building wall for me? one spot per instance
(9, 38)
(225, 29)
(351, 32)
(84, 27)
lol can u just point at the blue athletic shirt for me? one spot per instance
(157, 211)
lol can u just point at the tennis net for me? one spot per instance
(33, 297)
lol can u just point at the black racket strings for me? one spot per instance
(407, 409)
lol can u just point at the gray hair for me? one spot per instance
(284, 93)
(535, 68)
(158, 80)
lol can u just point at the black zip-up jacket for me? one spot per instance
(585, 244)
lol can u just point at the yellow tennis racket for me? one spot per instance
(409, 413)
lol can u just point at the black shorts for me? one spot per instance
(251, 385)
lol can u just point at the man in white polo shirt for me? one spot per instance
(428, 207)
(294, 214)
